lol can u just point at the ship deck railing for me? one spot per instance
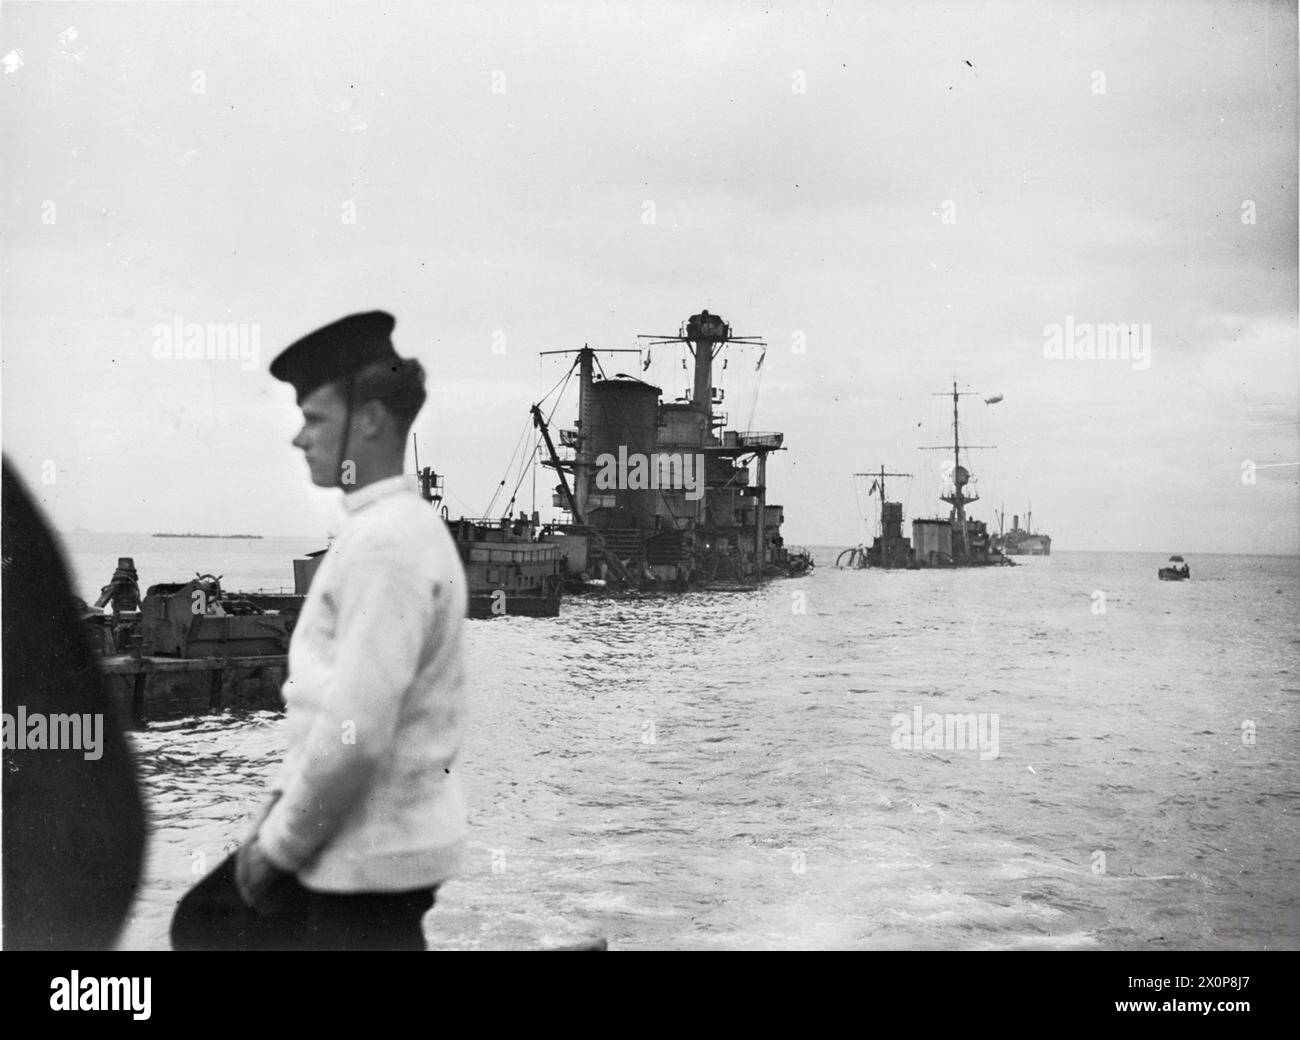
(759, 438)
(512, 552)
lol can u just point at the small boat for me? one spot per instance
(187, 648)
(509, 571)
(1176, 571)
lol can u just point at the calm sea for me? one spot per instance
(733, 771)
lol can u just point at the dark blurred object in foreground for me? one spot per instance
(73, 824)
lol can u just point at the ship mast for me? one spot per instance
(879, 479)
(705, 335)
(958, 498)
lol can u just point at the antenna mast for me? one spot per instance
(958, 498)
(879, 478)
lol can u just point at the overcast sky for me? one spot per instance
(910, 192)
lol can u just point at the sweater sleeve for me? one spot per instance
(385, 615)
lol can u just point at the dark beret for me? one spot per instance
(339, 349)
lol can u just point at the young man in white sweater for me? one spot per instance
(367, 816)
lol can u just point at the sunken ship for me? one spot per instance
(955, 540)
(659, 494)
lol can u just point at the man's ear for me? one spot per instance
(370, 419)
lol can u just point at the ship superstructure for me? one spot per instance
(956, 540)
(890, 550)
(659, 494)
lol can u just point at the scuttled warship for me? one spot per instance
(659, 494)
(956, 540)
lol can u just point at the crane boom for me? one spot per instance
(540, 423)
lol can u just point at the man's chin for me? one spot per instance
(320, 479)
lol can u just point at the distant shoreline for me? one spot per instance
(189, 535)
(85, 533)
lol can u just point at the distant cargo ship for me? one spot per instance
(1023, 542)
(188, 534)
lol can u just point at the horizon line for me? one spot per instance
(788, 541)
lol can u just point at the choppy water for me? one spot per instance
(717, 771)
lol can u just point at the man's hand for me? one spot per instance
(261, 816)
(256, 876)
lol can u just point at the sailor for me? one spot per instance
(367, 817)
(123, 588)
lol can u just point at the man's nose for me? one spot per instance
(301, 440)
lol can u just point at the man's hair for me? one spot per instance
(397, 385)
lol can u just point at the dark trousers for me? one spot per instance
(361, 920)
(213, 916)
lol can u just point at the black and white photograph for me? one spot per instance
(652, 476)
